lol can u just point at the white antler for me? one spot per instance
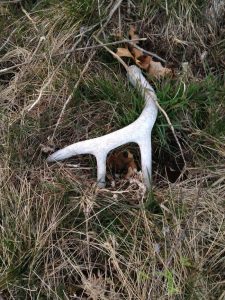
(138, 132)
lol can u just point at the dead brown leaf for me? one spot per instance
(144, 61)
(136, 52)
(132, 169)
(50, 148)
(157, 70)
(122, 162)
(132, 34)
(124, 52)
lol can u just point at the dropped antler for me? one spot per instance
(138, 132)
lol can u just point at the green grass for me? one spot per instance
(192, 106)
(126, 105)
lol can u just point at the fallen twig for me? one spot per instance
(99, 46)
(113, 53)
(10, 1)
(12, 67)
(146, 52)
(41, 93)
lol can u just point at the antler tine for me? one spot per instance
(139, 132)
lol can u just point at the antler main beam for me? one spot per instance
(138, 132)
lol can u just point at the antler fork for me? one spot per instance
(138, 132)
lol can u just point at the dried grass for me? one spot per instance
(61, 236)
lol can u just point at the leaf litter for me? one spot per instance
(121, 163)
(144, 61)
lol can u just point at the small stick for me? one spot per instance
(145, 51)
(119, 21)
(10, 1)
(99, 46)
(12, 67)
(113, 53)
(41, 93)
(111, 13)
